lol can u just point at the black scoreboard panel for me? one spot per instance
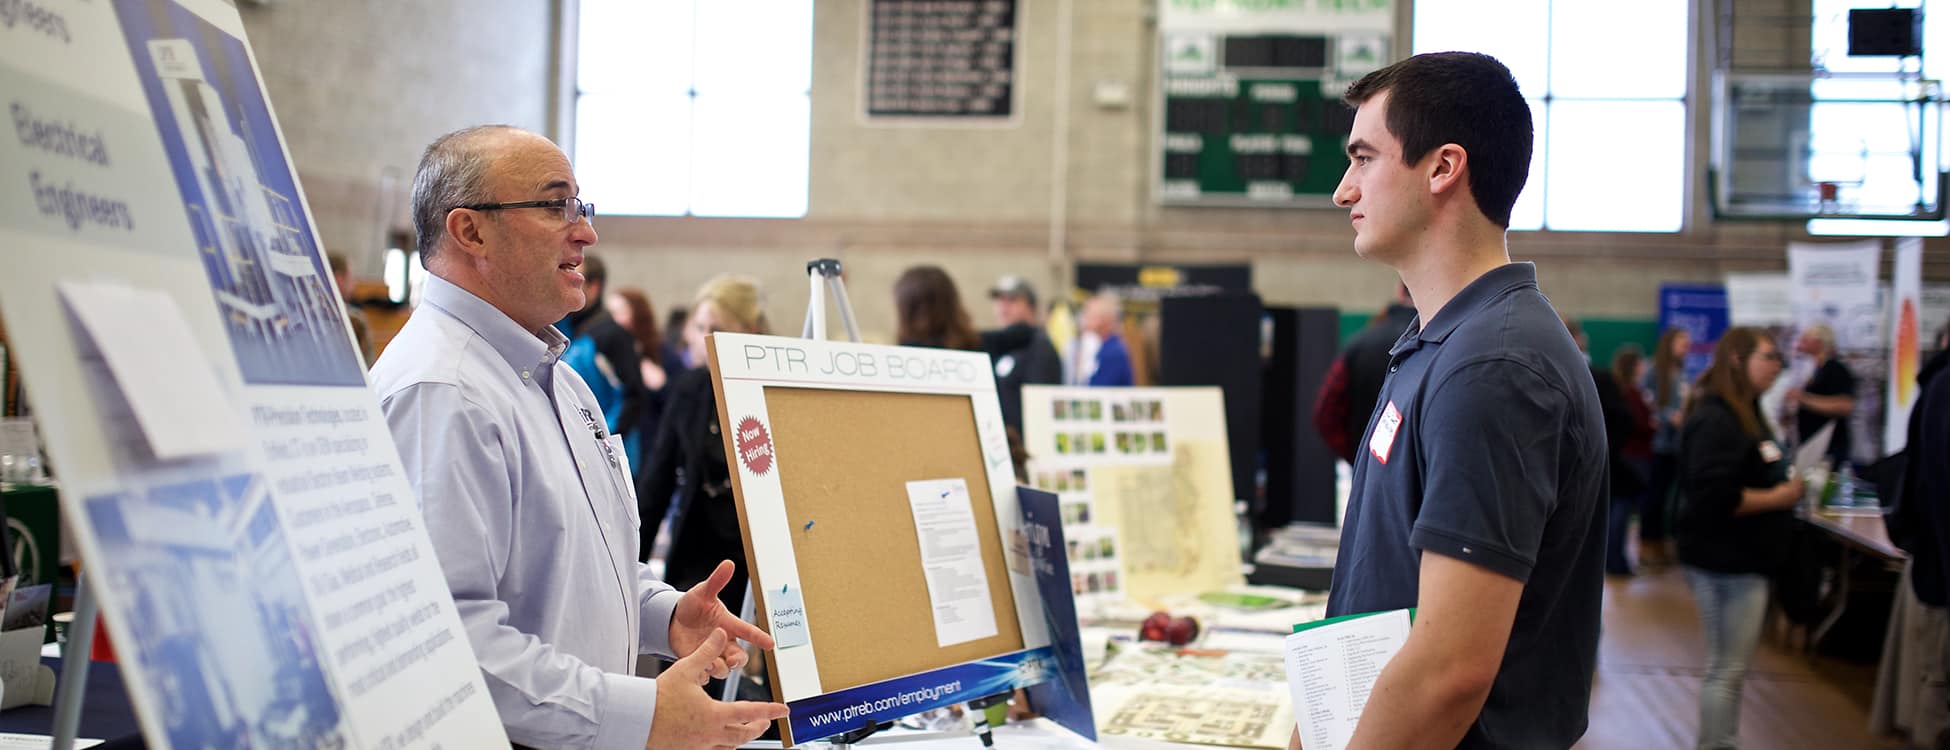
(941, 58)
(1265, 125)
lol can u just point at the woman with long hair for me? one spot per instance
(929, 311)
(1633, 455)
(631, 310)
(1666, 385)
(687, 460)
(1735, 517)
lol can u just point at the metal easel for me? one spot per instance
(68, 692)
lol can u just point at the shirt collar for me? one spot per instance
(525, 351)
(1478, 293)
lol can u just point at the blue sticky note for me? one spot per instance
(786, 607)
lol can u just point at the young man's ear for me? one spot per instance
(1446, 164)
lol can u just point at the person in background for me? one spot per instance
(1827, 397)
(1631, 455)
(928, 311)
(1478, 495)
(685, 473)
(1103, 317)
(525, 499)
(1625, 484)
(1666, 385)
(631, 310)
(361, 328)
(1735, 517)
(1911, 690)
(1033, 361)
(1346, 400)
(676, 324)
(604, 354)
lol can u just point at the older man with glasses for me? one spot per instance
(526, 495)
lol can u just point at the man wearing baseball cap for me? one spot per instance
(1033, 359)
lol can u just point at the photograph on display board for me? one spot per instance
(224, 640)
(272, 288)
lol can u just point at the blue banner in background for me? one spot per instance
(854, 708)
(1701, 309)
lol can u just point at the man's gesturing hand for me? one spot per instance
(688, 718)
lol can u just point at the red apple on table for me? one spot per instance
(1182, 631)
(1155, 627)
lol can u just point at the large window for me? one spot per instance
(694, 107)
(1862, 135)
(1607, 90)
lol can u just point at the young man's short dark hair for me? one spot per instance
(1464, 98)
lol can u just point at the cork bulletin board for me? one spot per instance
(859, 563)
(825, 438)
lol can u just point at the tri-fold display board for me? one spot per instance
(878, 508)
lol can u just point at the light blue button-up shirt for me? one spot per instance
(533, 516)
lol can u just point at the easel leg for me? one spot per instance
(74, 666)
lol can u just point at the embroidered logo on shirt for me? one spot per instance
(1769, 452)
(754, 446)
(1383, 439)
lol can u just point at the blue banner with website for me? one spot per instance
(1700, 309)
(846, 710)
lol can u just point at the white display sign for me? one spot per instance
(235, 495)
(1835, 284)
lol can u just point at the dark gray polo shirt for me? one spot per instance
(1487, 445)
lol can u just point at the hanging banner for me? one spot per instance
(1835, 284)
(236, 498)
(1760, 300)
(1699, 309)
(1905, 341)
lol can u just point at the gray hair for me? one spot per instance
(453, 172)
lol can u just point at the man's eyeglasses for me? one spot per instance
(570, 207)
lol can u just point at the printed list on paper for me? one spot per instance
(1332, 668)
(951, 557)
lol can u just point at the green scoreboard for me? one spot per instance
(1250, 110)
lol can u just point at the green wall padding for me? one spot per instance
(1605, 334)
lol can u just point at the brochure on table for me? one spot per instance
(903, 534)
(1065, 698)
(237, 500)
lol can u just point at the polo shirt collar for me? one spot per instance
(525, 351)
(1478, 293)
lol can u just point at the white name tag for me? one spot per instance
(1383, 439)
(1769, 452)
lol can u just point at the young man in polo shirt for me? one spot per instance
(1479, 486)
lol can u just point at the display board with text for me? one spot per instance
(237, 500)
(879, 516)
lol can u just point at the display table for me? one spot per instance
(1861, 535)
(105, 713)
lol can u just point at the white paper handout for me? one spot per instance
(1814, 451)
(1331, 668)
(951, 557)
(159, 367)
